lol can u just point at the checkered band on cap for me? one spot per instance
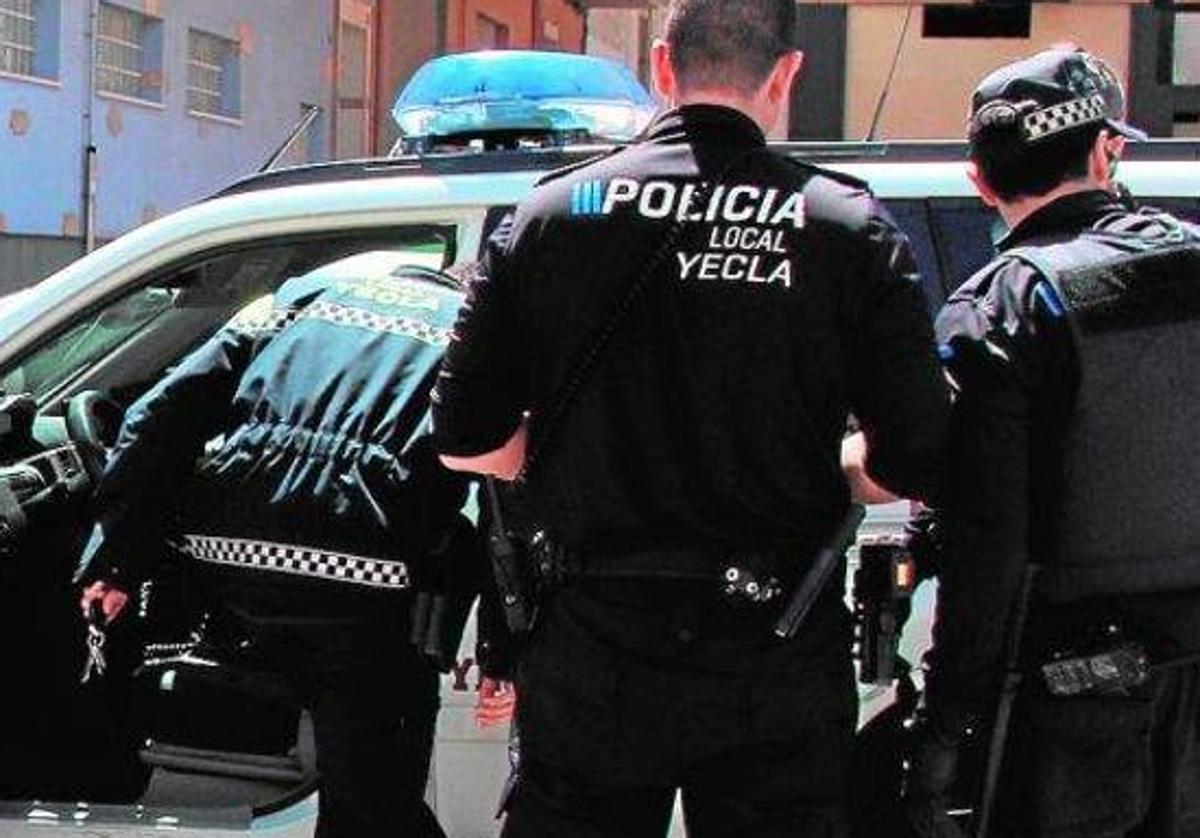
(1064, 116)
(297, 560)
(409, 327)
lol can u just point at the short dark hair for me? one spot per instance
(728, 43)
(1015, 168)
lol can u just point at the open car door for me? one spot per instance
(182, 729)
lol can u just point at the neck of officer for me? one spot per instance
(726, 98)
(1014, 212)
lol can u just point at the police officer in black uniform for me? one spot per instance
(702, 441)
(1073, 447)
(317, 507)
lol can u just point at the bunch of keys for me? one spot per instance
(95, 662)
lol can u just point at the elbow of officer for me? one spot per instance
(505, 462)
(902, 465)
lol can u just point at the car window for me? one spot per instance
(913, 218)
(964, 233)
(1186, 208)
(179, 308)
(91, 338)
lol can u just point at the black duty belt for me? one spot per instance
(759, 576)
(756, 575)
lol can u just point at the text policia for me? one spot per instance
(747, 224)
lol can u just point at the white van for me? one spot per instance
(102, 330)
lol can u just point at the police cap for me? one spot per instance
(1047, 94)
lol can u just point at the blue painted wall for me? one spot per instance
(154, 158)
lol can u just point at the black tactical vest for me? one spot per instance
(1128, 518)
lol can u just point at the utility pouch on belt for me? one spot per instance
(883, 586)
(1111, 670)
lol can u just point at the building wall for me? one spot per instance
(409, 35)
(155, 157)
(1165, 95)
(619, 34)
(562, 26)
(538, 24)
(935, 76)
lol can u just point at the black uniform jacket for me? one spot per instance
(1008, 349)
(292, 449)
(787, 299)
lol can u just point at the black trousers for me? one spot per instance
(374, 703)
(629, 692)
(1111, 766)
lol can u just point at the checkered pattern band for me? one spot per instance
(1064, 116)
(409, 327)
(254, 324)
(301, 561)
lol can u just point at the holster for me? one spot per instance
(883, 588)
(437, 625)
(453, 576)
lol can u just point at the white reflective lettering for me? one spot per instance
(731, 270)
(746, 212)
(792, 209)
(658, 197)
(764, 212)
(754, 275)
(750, 238)
(782, 274)
(710, 266)
(684, 212)
(621, 190)
(714, 203)
(686, 263)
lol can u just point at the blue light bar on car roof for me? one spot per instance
(511, 91)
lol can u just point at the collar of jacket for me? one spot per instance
(1069, 214)
(717, 121)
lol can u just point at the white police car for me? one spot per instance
(210, 750)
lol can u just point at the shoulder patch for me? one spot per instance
(582, 164)
(832, 174)
(1044, 293)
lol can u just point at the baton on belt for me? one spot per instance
(813, 583)
(1004, 706)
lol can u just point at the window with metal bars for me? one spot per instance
(212, 86)
(1186, 48)
(354, 94)
(127, 60)
(18, 37)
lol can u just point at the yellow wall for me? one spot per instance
(935, 77)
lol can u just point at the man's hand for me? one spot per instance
(112, 600)
(863, 488)
(496, 703)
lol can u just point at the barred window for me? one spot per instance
(353, 90)
(128, 56)
(1187, 48)
(213, 83)
(18, 36)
